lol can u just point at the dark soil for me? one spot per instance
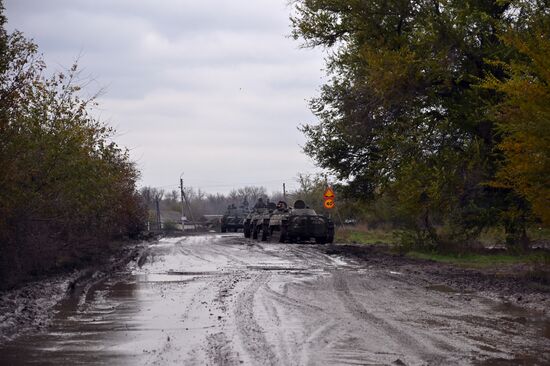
(520, 285)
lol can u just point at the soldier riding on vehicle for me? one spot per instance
(252, 218)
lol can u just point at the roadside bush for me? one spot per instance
(66, 189)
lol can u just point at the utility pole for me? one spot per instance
(284, 192)
(184, 197)
(182, 206)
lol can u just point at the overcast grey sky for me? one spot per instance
(214, 88)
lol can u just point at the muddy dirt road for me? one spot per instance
(224, 300)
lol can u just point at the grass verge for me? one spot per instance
(360, 234)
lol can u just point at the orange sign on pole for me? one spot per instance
(329, 197)
(329, 203)
(329, 194)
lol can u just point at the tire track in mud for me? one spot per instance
(198, 249)
(222, 250)
(251, 333)
(214, 349)
(316, 342)
(219, 350)
(402, 339)
(310, 253)
(281, 344)
(285, 347)
(291, 302)
(440, 310)
(187, 251)
(311, 257)
(285, 304)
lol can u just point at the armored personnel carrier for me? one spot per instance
(253, 222)
(233, 219)
(298, 224)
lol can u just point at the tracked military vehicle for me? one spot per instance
(233, 219)
(298, 224)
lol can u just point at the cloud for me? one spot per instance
(214, 88)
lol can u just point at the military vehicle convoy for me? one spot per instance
(282, 224)
(233, 219)
(253, 221)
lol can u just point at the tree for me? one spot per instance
(403, 113)
(248, 193)
(310, 190)
(66, 188)
(523, 117)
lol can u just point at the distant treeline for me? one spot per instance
(310, 189)
(200, 203)
(435, 113)
(66, 190)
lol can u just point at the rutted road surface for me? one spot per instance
(224, 300)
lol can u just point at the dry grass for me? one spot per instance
(361, 234)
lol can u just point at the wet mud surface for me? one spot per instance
(224, 300)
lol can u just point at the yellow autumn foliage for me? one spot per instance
(524, 118)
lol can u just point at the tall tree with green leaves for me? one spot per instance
(66, 189)
(403, 113)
